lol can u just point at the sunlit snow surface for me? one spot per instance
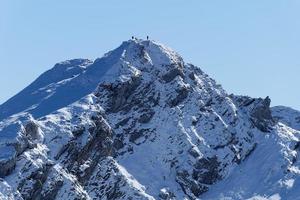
(63, 99)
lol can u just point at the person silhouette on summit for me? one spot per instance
(147, 37)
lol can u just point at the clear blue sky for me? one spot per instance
(250, 47)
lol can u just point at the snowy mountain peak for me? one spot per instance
(150, 51)
(81, 76)
(140, 123)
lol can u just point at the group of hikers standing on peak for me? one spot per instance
(134, 38)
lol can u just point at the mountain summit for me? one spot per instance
(140, 123)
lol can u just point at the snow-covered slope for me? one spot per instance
(64, 84)
(140, 123)
(39, 97)
(287, 116)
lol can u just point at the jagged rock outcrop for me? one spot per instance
(261, 115)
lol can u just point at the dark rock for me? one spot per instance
(78, 131)
(194, 121)
(100, 146)
(171, 74)
(121, 92)
(297, 146)
(7, 166)
(118, 143)
(194, 153)
(297, 119)
(32, 130)
(190, 186)
(209, 103)
(261, 115)
(55, 186)
(135, 135)
(192, 76)
(36, 179)
(248, 102)
(207, 170)
(146, 117)
(182, 94)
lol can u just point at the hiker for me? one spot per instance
(147, 37)
(132, 37)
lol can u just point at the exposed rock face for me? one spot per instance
(32, 131)
(120, 93)
(191, 187)
(261, 115)
(181, 94)
(154, 128)
(211, 166)
(174, 71)
(31, 188)
(7, 166)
